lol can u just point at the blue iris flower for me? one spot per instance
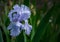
(16, 16)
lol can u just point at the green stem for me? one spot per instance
(5, 31)
(25, 39)
(13, 39)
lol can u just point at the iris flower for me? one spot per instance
(17, 15)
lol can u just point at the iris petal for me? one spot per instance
(27, 28)
(15, 28)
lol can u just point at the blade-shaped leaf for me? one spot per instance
(42, 25)
(1, 38)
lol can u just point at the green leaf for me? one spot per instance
(1, 38)
(5, 32)
(20, 38)
(33, 17)
(42, 25)
(26, 2)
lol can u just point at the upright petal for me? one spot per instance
(24, 12)
(16, 7)
(13, 15)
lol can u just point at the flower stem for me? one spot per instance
(13, 39)
(25, 39)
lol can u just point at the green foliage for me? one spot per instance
(1, 38)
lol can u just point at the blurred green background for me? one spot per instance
(45, 20)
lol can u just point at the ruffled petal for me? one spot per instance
(15, 28)
(27, 28)
(24, 12)
(15, 32)
(16, 7)
(13, 16)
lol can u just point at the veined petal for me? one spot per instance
(25, 9)
(24, 13)
(16, 6)
(27, 28)
(15, 28)
(15, 32)
(13, 16)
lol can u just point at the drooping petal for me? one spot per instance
(15, 32)
(27, 28)
(10, 26)
(15, 28)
